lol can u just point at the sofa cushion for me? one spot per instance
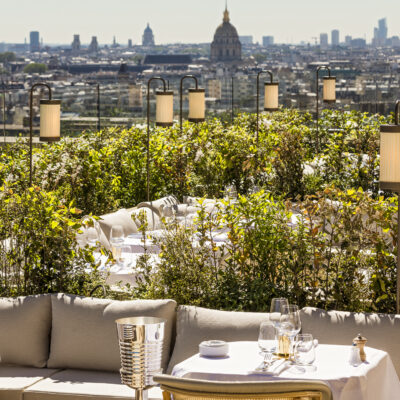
(84, 333)
(121, 217)
(14, 379)
(158, 205)
(25, 324)
(152, 218)
(84, 385)
(195, 324)
(341, 327)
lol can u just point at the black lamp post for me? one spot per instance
(164, 117)
(328, 95)
(232, 101)
(389, 176)
(49, 121)
(98, 107)
(271, 93)
(4, 109)
(196, 102)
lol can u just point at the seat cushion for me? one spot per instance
(341, 327)
(121, 217)
(25, 324)
(84, 385)
(14, 379)
(195, 324)
(84, 333)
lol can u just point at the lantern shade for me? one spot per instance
(389, 174)
(329, 89)
(271, 96)
(50, 111)
(197, 105)
(164, 108)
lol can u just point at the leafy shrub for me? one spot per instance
(38, 249)
(339, 255)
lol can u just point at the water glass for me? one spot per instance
(267, 342)
(304, 349)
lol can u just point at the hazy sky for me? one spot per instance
(191, 21)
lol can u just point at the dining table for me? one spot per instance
(374, 379)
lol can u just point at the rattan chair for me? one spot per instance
(193, 389)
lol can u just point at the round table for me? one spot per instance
(376, 379)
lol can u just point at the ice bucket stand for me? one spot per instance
(140, 344)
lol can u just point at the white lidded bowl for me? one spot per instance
(214, 348)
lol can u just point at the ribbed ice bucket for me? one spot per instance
(140, 344)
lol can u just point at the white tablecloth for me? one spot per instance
(375, 379)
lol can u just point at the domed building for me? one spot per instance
(148, 37)
(226, 46)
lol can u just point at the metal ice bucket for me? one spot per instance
(140, 344)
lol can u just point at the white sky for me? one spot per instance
(191, 21)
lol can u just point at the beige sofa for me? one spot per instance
(63, 347)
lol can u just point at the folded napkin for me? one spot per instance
(274, 370)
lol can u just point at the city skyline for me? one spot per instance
(179, 21)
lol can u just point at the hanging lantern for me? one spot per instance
(164, 108)
(50, 120)
(329, 89)
(197, 105)
(389, 174)
(271, 96)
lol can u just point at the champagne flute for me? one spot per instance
(266, 343)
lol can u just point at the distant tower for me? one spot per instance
(335, 39)
(129, 43)
(226, 46)
(76, 44)
(380, 33)
(34, 44)
(323, 40)
(148, 37)
(93, 46)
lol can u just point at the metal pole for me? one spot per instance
(398, 256)
(98, 108)
(31, 124)
(4, 110)
(148, 130)
(181, 95)
(317, 105)
(232, 102)
(258, 97)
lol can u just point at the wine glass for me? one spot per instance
(117, 235)
(92, 237)
(276, 310)
(267, 343)
(230, 192)
(290, 323)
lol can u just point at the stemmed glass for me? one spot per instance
(92, 239)
(267, 343)
(277, 305)
(117, 238)
(290, 323)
